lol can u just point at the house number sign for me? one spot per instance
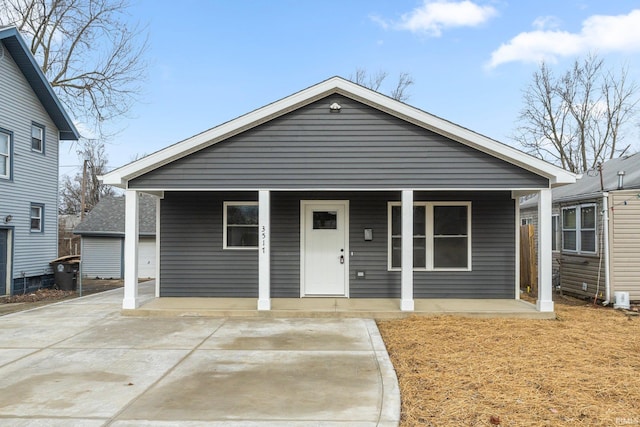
(263, 239)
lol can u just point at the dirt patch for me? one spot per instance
(580, 369)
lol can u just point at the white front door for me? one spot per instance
(324, 247)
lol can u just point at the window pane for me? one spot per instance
(325, 220)
(569, 218)
(242, 215)
(35, 224)
(4, 165)
(419, 252)
(588, 217)
(242, 236)
(35, 212)
(419, 228)
(450, 252)
(4, 144)
(396, 252)
(396, 220)
(588, 241)
(569, 240)
(450, 220)
(554, 233)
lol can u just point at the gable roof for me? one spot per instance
(588, 185)
(556, 176)
(107, 218)
(15, 45)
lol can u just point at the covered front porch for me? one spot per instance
(375, 308)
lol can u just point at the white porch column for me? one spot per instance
(264, 250)
(406, 292)
(131, 250)
(158, 198)
(545, 297)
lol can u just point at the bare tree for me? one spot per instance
(89, 52)
(374, 82)
(71, 188)
(577, 120)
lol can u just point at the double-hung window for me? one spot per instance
(5, 154)
(441, 236)
(579, 228)
(36, 216)
(240, 227)
(37, 138)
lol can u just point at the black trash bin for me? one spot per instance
(65, 271)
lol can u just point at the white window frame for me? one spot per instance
(557, 234)
(526, 221)
(40, 217)
(41, 129)
(430, 237)
(224, 227)
(578, 230)
(6, 157)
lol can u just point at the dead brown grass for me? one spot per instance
(579, 370)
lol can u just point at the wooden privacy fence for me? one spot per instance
(528, 260)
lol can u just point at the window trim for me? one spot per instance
(224, 226)
(8, 155)
(41, 207)
(578, 229)
(429, 235)
(557, 235)
(42, 129)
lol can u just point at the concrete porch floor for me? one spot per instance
(376, 308)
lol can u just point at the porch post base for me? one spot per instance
(406, 305)
(130, 303)
(544, 306)
(264, 304)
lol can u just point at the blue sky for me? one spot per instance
(211, 61)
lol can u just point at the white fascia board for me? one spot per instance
(556, 175)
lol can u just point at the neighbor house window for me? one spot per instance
(526, 221)
(37, 138)
(555, 232)
(36, 216)
(441, 235)
(5, 154)
(579, 228)
(240, 225)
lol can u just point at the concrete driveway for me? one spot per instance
(81, 363)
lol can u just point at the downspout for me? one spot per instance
(605, 237)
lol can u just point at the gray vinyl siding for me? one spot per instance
(35, 175)
(360, 147)
(102, 257)
(194, 264)
(192, 261)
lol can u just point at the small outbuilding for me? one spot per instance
(103, 239)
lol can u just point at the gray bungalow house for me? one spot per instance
(32, 124)
(338, 191)
(596, 231)
(102, 239)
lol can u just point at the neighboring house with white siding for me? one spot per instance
(102, 239)
(596, 231)
(337, 191)
(32, 123)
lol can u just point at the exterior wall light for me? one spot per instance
(8, 219)
(335, 107)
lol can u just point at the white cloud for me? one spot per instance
(434, 16)
(600, 33)
(546, 23)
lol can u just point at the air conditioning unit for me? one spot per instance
(621, 300)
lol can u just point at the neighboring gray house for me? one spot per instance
(32, 123)
(102, 239)
(596, 231)
(306, 197)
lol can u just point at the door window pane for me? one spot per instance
(323, 220)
